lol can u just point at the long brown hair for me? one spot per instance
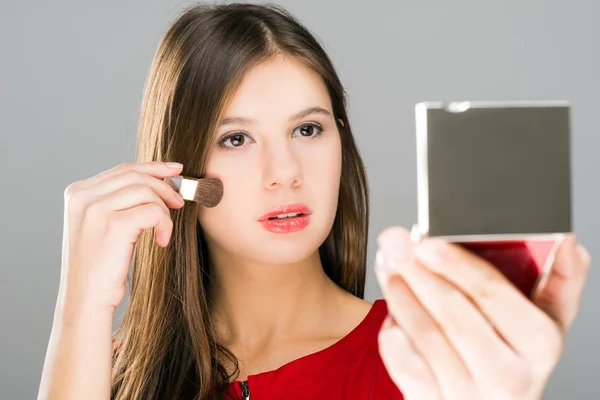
(167, 344)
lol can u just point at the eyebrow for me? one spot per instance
(302, 114)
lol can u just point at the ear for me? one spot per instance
(341, 121)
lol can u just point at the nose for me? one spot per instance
(281, 167)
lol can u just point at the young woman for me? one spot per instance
(261, 297)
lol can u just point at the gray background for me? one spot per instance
(71, 79)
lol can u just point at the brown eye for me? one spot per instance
(307, 130)
(236, 140)
(310, 130)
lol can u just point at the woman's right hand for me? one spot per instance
(104, 217)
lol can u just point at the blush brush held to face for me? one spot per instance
(207, 192)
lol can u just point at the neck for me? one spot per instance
(254, 304)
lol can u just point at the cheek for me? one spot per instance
(322, 171)
(219, 222)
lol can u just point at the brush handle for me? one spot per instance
(185, 186)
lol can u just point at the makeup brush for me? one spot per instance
(205, 191)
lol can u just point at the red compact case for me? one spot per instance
(495, 178)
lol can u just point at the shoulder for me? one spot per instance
(373, 317)
(358, 312)
(363, 321)
(380, 384)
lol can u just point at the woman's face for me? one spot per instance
(278, 145)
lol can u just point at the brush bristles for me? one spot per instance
(209, 192)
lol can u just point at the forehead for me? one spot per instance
(278, 88)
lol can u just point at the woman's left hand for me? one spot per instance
(458, 329)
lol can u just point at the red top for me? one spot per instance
(351, 368)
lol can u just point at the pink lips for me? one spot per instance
(287, 209)
(286, 225)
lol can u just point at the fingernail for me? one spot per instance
(584, 256)
(431, 251)
(179, 197)
(393, 251)
(387, 322)
(400, 336)
(174, 165)
(383, 268)
(395, 243)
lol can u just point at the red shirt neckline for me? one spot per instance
(316, 366)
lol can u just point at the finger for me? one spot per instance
(129, 178)
(431, 341)
(133, 221)
(560, 295)
(157, 169)
(126, 198)
(405, 366)
(440, 308)
(512, 314)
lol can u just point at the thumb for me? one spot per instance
(560, 295)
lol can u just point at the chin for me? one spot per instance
(286, 254)
(288, 248)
